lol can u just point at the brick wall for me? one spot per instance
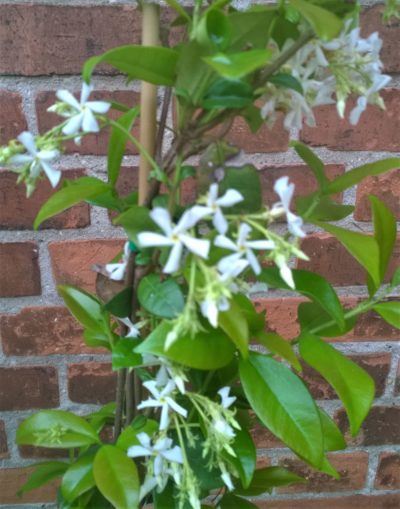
(43, 363)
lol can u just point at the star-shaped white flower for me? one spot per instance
(133, 331)
(210, 309)
(82, 114)
(242, 248)
(223, 428)
(284, 270)
(162, 399)
(226, 400)
(285, 192)
(214, 204)
(38, 160)
(175, 236)
(117, 270)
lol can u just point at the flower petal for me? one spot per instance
(295, 224)
(284, 190)
(135, 451)
(200, 247)
(151, 239)
(28, 141)
(174, 259)
(73, 125)
(87, 89)
(116, 271)
(225, 242)
(254, 263)
(66, 97)
(20, 159)
(98, 106)
(164, 419)
(175, 455)
(178, 408)
(89, 122)
(244, 230)
(52, 174)
(162, 219)
(230, 198)
(219, 221)
(261, 244)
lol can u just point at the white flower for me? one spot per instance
(284, 270)
(223, 428)
(214, 204)
(37, 160)
(225, 476)
(82, 114)
(167, 372)
(210, 309)
(242, 248)
(133, 331)
(226, 400)
(162, 399)
(117, 270)
(285, 192)
(175, 236)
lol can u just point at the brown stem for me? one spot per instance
(119, 403)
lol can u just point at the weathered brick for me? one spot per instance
(376, 130)
(371, 21)
(264, 140)
(56, 39)
(330, 259)
(352, 468)
(397, 386)
(388, 473)
(281, 315)
(263, 438)
(12, 118)
(349, 502)
(371, 327)
(20, 274)
(11, 480)
(17, 212)
(42, 331)
(91, 383)
(386, 187)
(22, 388)
(3, 442)
(91, 144)
(381, 426)
(29, 451)
(72, 261)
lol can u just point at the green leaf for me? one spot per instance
(94, 339)
(364, 248)
(333, 438)
(43, 474)
(84, 307)
(214, 30)
(78, 190)
(238, 65)
(117, 143)
(78, 479)
(209, 349)
(265, 479)
(353, 385)
(225, 93)
(246, 180)
(313, 318)
(284, 405)
(245, 461)
(208, 478)
(108, 200)
(321, 208)
(230, 501)
(324, 23)
(121, 304)
(123, 355)
(135, 220)
(279, 346)
(129, 436)
(165, 499)
(161, 298)
(116, 477)
(396, 278)
(354, 176)
(255, 320)
(56, 429)
(179, 9)
(234, 324)
(252, 29)
(313, 162)
(155, 65)
(390, 312)
(285, 80)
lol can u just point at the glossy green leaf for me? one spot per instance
(234, 324)
(238, 65)
(230, 501)
(246, 180)
(314, 319)
(279, 346)
(285, 80)
(364, 248)
(284, 405)
(83, 306)
(116, 477)
(333, 437)
(43, 474)
(313, 162)
(353, 385)
(245, 461)
(390, 312)
(108, 200)
(121, 304)
(139, 425)
(155, 65)
(117, 143)
(166, 499)
(78, 190)
(96, 339)
(56, 429)
(251, 29)
(214, 30)
(123, 355)
(255, 320)
(265, 479)
(209, 349)
(321, 208)
(100, 418)
(354, 176)
(208, 479)
(324, 23)
(225, 93)
(78, 479)
(161, 298)
(135, 220)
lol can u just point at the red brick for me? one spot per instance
(371, 21)
(20, 274)
(91, 144)
(72, 261)
(17, 212)
(11, 479)
(376, 130)
(381, 426)
(42, 331)
(371, 327)
(331, 260)
(352, 468)
(263, 438)
(57, 39)
(386, 187)
(264, 140)
(22, 388)
(281, 315)
(377, 365)
(3, 442)
(91, 383)
(351, 502)
(12, 118)
(29, 451)
(388, 474)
